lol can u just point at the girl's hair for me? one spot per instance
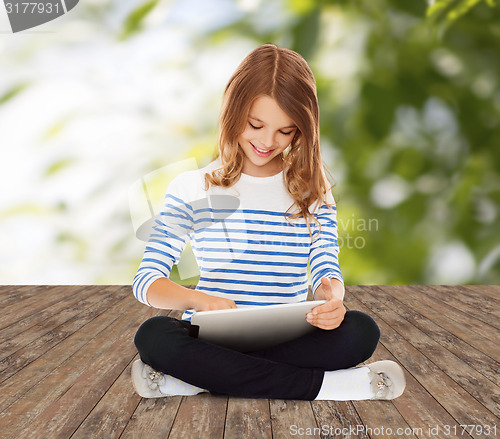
(283, 75)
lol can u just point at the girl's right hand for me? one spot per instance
(206, 302)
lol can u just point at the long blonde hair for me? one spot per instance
(283, 75)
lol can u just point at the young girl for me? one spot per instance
(270, 160)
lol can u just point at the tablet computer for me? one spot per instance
(254, 328)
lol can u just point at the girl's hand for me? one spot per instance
(331, 314)
(206, 302)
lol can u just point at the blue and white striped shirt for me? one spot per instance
(246, 249)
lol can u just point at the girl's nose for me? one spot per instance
(267, 139)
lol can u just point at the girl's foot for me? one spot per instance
(150, 383)
(379, 380)
(387, 379)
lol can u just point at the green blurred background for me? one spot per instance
(410, 111)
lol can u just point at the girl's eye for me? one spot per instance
(282, 132)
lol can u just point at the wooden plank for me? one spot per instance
(439, 315)
(468, 378)
(489, 291)
(467, 353)
(460, 404)
(482, 309)
(338, 419)
(98, 399)
(52, 316)
(200, 416)
(113, 412)
(43, 318)
(469, 321)
(59, 381)
(20, 310)
(417, 406)
(10, 294)
(378, 419)
(153, 418)
(71, 408)
(293, 418)
(30, 375)
(469, 295)
(419, 410)
(37, 340)
(111, 415)
(248, 418)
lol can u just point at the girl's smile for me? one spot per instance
(261, 152)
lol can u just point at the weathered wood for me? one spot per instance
(486, 291)
(201, 415)
(113, 412)
(10, 294)
(484, 311)
(476, 359)
(44, 319)
(469, 379)
(460, 404)
(248, 418)
(458, 325)
(466, 299)
(35, 341)
(293, 418)
(68, 352)
(153, 418)
(338, 419)
(27, 408)
(73, 406)
(20, 310)
(35, 372)
(417, 406)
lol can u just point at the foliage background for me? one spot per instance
(410, 111)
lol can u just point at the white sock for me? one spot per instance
(346, 385)
(174, 386)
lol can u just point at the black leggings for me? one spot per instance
(292, 370)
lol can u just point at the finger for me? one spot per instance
(328, 320)
(328, 327)
(331, 324)
(329, 306)
(327, 317)
(328, 323)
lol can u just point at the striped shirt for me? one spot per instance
(246, 249)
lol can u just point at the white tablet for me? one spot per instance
(254, 328)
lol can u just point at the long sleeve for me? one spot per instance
(166, 242)
(249, 253)
(323, 255)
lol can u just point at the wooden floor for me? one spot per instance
(66, 353)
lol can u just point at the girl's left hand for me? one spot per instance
(331, 314)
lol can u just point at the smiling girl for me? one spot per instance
(269, 158)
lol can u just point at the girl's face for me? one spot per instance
(267, 134)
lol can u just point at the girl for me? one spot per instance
(269, 159)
